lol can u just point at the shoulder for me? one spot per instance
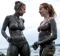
(52, 21)
(23, 20)
(8, 16)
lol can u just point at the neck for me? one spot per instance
(46, 17)
(17, 15)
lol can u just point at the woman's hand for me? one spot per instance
(35, 45)
(9, 39)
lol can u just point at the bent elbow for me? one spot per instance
(2, 32)
(55, 36)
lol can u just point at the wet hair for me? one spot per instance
(50, 9)
(18, 4)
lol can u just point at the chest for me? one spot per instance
(15, 23)
(45, 26)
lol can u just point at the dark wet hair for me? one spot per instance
(50, 9)
(18, 4)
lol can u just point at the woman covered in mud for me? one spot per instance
(17, 41)
(47, 31)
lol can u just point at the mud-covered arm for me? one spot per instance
(4, 26)
(53, 34)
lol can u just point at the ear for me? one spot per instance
(47, 10)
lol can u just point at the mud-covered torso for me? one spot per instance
(45, 30)
(16, 26)
(16, 23)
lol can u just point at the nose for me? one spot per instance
(24, 11)
(39, 11)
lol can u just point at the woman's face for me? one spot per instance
(21, 10)
(43, 12)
